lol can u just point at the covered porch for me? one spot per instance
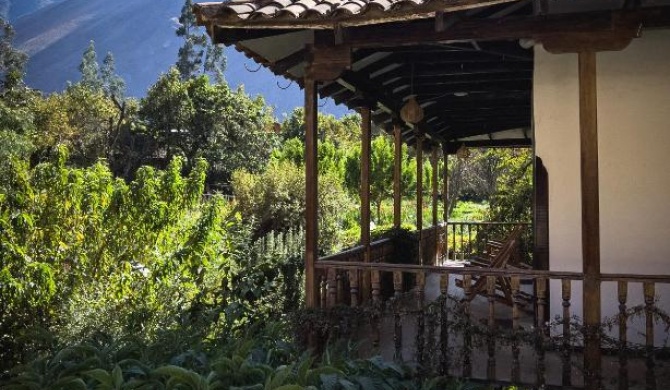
(439, 75)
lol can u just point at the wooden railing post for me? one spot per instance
(397, 325)
(649, 293)
(622, 293)
(541, 291)
(444, 326)
(332, 287)
(353, 286)
(515, 284)
(491, 342)
(420, 319)
(566, 294)
(467, 337)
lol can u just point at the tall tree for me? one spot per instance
(197, 55)
(90, 69)
(112, 83)
(12, 61)
(193, 118)
(381, 171)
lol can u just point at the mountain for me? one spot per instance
(13, 9)
(140, 34)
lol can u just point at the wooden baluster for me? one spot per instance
(377, 306)
(431, 346)
(444, 325)
(491, 342)
(623, 335)
(340, 288)
(541, 290)
(469, 240)
(353, 286)
(566, 292)
(397, 325)
(420, 318)
(462, 241)
(467, 337)
(453, 240)
(332, 287)
(649, 333)
(322, 291)
(516, 301)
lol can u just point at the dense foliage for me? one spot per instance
(119, 269)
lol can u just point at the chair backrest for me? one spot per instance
(508, 248)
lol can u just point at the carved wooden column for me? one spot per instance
(311, 191)
(586, 46)
(419, 193)
(435, 198)
(366, 131)
(324, 63)
(397, 175)
(445, 199)
(433, 162)
(588, 131)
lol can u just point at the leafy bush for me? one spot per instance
(82, 253)
(274, 200)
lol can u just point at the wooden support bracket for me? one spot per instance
(328, 62)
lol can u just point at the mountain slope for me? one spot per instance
(140, 34)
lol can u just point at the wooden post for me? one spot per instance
(366, 127)
(588, 130)
(311, 191)
(445, 199)
(419, 193)
(397, 175)
(433, 163)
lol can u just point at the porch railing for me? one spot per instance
(473, 335)
(468, 238)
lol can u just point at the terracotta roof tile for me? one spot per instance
(325, 13)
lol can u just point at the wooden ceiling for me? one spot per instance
(466, 67)
(465, 89)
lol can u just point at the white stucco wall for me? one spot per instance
(634, 162)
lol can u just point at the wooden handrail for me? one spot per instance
(484, 223)
(478, 271)
(355, 250)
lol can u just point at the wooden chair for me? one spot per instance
(501, 255)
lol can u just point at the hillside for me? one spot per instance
(140, 34)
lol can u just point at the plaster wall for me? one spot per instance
(634, 138)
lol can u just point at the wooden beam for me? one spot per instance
(328, 63)
(428, 71)
(578, 42)
(229, 36)
(493, 143)
(288, 62)
(509, 28)
(588, 130)
(397, 178)
(311, 193)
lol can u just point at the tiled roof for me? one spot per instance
(325, 13)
